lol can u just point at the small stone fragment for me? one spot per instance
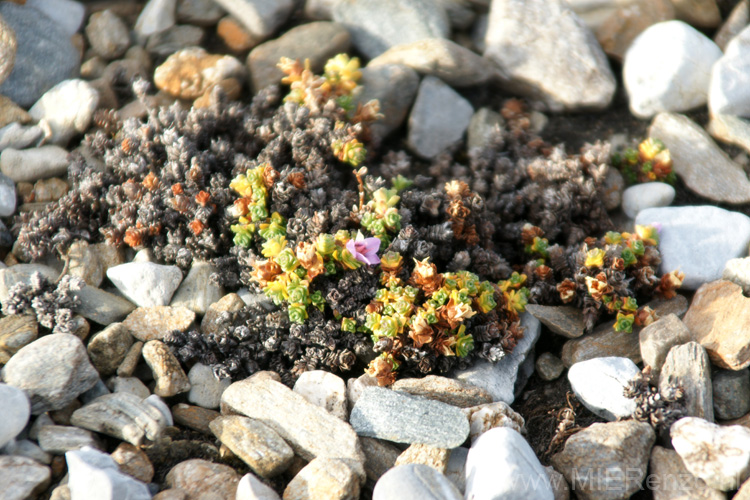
(659, 337)
(102, 307)
(194, 417)
(131, 385)
(415, 481)
(230, 302)
(380, 456)
(16, 332)
(548, 366)
(169, 376)
(260, 17)
(674, 480)
(153, 323)
(197, 292)
(156, 16)
(33, 164)
(199, 12)
(129, 363)
(67, 108)
(251, 488)
(323, 478)
(176, 38)
(687, 366)
(731, 393)
(134, 462)
(109, 347)
(146, 284)
(447, 390)
(107, 34)
(437, 458)
(58, 439)
(734, 23)
(562, 320)
(23, 477)
(205, 388)
(648, 195)
(484, 417)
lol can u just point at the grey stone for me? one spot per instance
(499, 378)
(7, 196)
(562, 320)
(108, 34)
(123, 416)
(153, 323)
(324, 389)
(53, 371)
(23, 477)
(176, 38)
(99, 389)
(319, 10)
(734, 23)
(668, 68)
(548, 366)
(718, 455)
(599, 384)
(438, 119)
(317, 42)
(170, 378)
(501, 464)
(380, 456)
(447, 390)
(146, 284)
(324, 477)
(67, 14)
(16, 411)
(484, 124)
(156, 16)
(698, 161)
(158, 403)
(29, 449)
(456, 469)
(674, 480)
(197, 292)
(93, 475)
(415, 481)
(57, 439)
(15, 332)
(730, 77)
(659, 337)
(260, 17)
(45, 54)
(484, 417)
(17, 136)
(29, 165)
(613, 186)
(205, 388)
(455, 65)
(101, 306)
(109, 347)
(395, 416)
(39, 422)
(730, 129)
(559, 485)
(377, 25)
(687, 366)
(256, 444)
(128, 365)
(199, 12)
(698, 240)
(647, 195)
(606, 461)
(731, 393)
(130, 385)
(543, 50)
(251, 488)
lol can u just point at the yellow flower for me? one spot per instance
(274, 246)
(595, 258)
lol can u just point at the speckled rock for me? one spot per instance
(153, 323)
(109, 347)
(424, 454)
(324, 389)
(187, 74)
(674, 480)
(23, 477)
(323, 477)
(203, 479)
(170, 378)
(447, 390)
(134, 462)
(107, 34)
(731, 393)
(687, 366)
(380, 456)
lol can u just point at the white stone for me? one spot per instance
(145, 283)
(718, 455)
(7, 196)
(647, 195)
(68, 108)
(729, 92)
(132, 385)
(30, 165)
(205, 388)
(197, 291)
(17, 136)
(93, 475)
(482, 418)
(738, 271)
(15, 409)
(668, 68)
(160, 405)
(66, 13)
(698, 240)
(156, 16)
(251, 488)
(502, 465)
(325, 390)
(417, 481)
(599, 383)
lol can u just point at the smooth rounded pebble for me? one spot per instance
(599, 383)
(67, 108)
(107, 34)
(415, 481)
(30, 165)
(16, 411)
(648, 195)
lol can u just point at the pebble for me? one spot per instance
(58, 439)
(230, 302)
(562, 320)
(53, 371)
(156, 16)
(487, 416)
(205, 388)
(605, 461)
(123, 416)
(84, 262)
(548, 366)
(501, 464)
(687, 366)
(33, 164)
(93, 475)
(67, 14)
(29, 449)
(599, 384)
(484, 125)
(170, 494)
(251, 488)
(197, 292)
(234, 35)
(170, 378)
(395, 88)
(698, 240)
(672, 480)
(102, 307)
(128, 365)
(189, 73)
(659, 337)
(737, 20)
(377, 25)
(308, 429)
(256, 444)
(499, 379)
(16, 332)
(199, 12)
(203, 479)
(699, 13)
(23, 477)
(731, 393)
(194, 417)
(545, 52)
(39, 422)
(415, 481)
(153, 323)
(718, 455)
(729, 78)
(318, 42)
(45, 55)
(424, 454)
(108, 34)
(130, 385)
(319, 9)
(395, 416)
(134, 462)
(456, 469)
(109, 347)
(324, 389)
(717, 319)
(617, 31)
(668, 68)
(648, 195)
(447, 390)
(146, 284)
(46, 190)
(100, 389)
(730, 129)
(260, 17)
(16, 411)
(17, 136)
(8, 47)
(380, 456)
(176, 38)
(10, 112)
(438, 119)
(324, 478)
(453, 64)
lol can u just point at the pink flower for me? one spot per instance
(365, 250)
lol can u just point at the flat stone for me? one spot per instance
(33, 164)
(318, 42)
(68, 14)
(153, 323)
(730, 129)
(234, 35)
(395, 416)
(309, 429)
(134, 462)
(109, 347)
(562, 320)
(415, 481)
(52, 371)
(424, 454)
(256, 444)
(324, 477)
(199, 12)
(484, 417)
(501, 464)
(737, 20)
(197, 292)
(324, 389)
(95, 475)
(205, 388)
(377, 25)
(628, 20)
(29, 449)
(455, 65)
(548, 366)
(260, 17)
(23, 477)
(698, 161)
(16, 332)
(718, 455)
(101, 306)
(447, 390)
(731, 393)
(729, 77)
(659, 337)
(251, 488)
(194, 417)
(716, 319)
(203, 479)
(187, 74)
(58, 439)
(674, 480)
(687, 366)
(648, 195)
(606, 461)
(16, 411)
(170, 378)
(156, 16)
(146, 284)
(599, 384)
(699, 13)
(107, 34)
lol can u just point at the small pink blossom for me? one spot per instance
(365, 250)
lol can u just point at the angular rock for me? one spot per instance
(251, 488)
(733, 25)
(324, 389)
(203, 479)
(234, 35)
(649, 195)
(146, 284)
(699, 13)
(447, 390)
(672, 479)
(599, 384)
(720, 456)
(109, 347)
(128, 365)
(68, 14)
(153, 323)
(194, 417)
(260, 17)
(170, 378)
(548, 366)
(324, 477)
(23, 477)
(134, 462)
(16, 332)
(730, 77)
(699, 162)
(606, 461)
(205, 388)
(189, 73)
(687, 366)
(659, 337)
(424, 454)
(102, 307)
(93, 474)
(256, 444)
(387, 414)
(731, 393)
(415, 481)
(197, 292)
(107, 34)
(484, 417)
(199, 12)
(131, 385)
(156, 16)
(58, 439)
(16, 410)
(29, 449)
(33, 164)
(562, 320)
